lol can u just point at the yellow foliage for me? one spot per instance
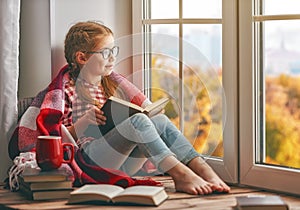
(199, 125)
(282, 111)
(283, 121)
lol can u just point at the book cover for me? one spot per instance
(260, 202)
(37, 175)
(49, 185)
(117, 110)
(45, 195)
(142, 195)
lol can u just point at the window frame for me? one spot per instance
(227, 168)
(252, 173)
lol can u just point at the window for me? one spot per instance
(269, 101)
(280, 70)
(186, 58)
(260, 102)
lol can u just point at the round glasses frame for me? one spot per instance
(107, 52)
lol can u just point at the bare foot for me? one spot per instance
(185, 179)
(202, 169)
(192, 184)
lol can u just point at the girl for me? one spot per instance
(91, 56)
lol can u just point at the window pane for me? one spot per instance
(202, 9)
(275, 7)
(282, 93)
(164, 69)
(207, 38)
(203, 87)
(164, 9)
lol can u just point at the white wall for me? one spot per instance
(35, 53)
(44, 25)
(116, 14)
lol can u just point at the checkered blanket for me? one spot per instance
(44, 117)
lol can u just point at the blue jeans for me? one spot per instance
(132, 142)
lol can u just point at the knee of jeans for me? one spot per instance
(141, 121)
(160, 118)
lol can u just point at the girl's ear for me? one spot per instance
(81, 57)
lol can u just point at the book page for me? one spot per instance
(145, 195)
(147, 191)
(156, 107)
(126, 103)
(103, 189)
(37, 175)
(117, 110)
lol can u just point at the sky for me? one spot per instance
(213, 8)
(278, 34)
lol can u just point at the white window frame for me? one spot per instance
(253, 174)
(227, 167)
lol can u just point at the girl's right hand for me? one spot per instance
(94, 116)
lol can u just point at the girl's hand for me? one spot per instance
(94, 116)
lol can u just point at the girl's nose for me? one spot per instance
(111, 58)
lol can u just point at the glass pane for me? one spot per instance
(164, 9)
(282, 93)
(202, 9)
(165, 65)
(275, 7)
(203, 92)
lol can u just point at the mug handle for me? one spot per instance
(66, 147)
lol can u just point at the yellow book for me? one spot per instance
(141, 195)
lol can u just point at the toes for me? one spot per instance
(193, 191)
(221, 188)
(204, 190)
(226, 188)
(218, 188)
(199, 190)
(208, 189)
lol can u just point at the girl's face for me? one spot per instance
(97, 64)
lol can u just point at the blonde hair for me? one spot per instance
(84, 37)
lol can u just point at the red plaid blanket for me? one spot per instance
(43, 117)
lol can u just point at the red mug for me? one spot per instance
(50, 152)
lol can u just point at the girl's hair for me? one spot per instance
(84, 37)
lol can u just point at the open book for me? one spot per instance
(142, 195)
(117, 110)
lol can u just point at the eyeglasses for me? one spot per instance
(107, 52)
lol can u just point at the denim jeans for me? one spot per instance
(132, 142)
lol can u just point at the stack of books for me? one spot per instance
(46, 185)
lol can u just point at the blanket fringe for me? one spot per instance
(147, 181)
